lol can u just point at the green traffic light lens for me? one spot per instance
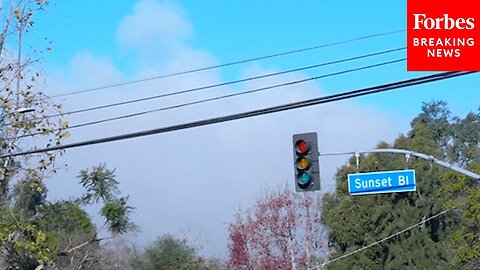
(303, 180)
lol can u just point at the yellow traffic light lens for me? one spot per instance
(303, 163)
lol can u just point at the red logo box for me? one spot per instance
(443, 35)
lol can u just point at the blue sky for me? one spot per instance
(100, 42)
(236, 30)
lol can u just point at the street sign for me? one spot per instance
(381, 182)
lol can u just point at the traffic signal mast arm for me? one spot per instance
(409, 153)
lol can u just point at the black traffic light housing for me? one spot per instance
(305, 158)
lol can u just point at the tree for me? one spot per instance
(60, 235)
(101, 186)
(282, 231)
(446, 241)
(24, 106)
(170, 253)
(167, 252)
(117, 254)
(463, 193)
(22, 242)
(68, 226)
(36, 233)
(78, 240)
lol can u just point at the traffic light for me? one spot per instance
(305, 157)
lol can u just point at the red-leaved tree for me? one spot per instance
(281, 231)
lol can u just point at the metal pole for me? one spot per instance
(411, 153)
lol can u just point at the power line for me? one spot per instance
(379, 241)
(220, 97)
(265, 111)
(196, 89)
(227, 64)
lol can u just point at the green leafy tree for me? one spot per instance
(68, 226)
(167, 253)
(170, 253)
(38, 234)
(78, 239)
(463, 193)
(447, 241)
(101, 187)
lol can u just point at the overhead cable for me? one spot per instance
(228, 64)
(196, 89)
(126, 116)
(321, 266)
(254, 113)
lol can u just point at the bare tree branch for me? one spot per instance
(93, 239)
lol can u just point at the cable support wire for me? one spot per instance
(229, 63)
(221, 97)
(321, 266)
(196, 89)
(254, 113)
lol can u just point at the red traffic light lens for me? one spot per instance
(302, 147)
